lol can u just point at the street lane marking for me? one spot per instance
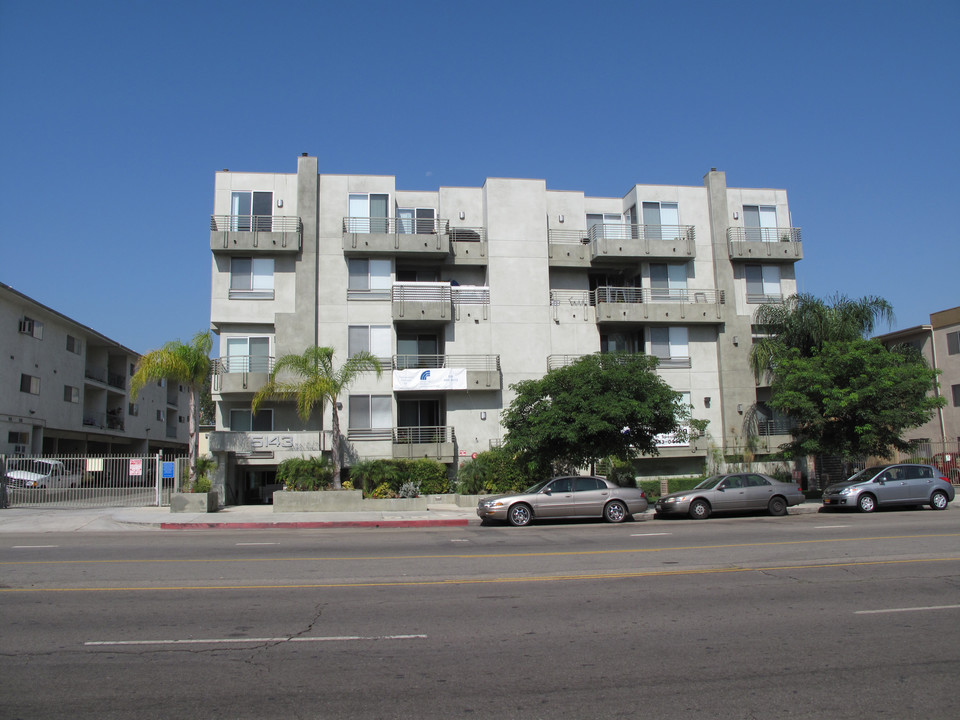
(485, 581)
(913, 609)
(829, 527)
(481, 556)
(646, 534)
(32, 547)
(224, 641)
(259, 543)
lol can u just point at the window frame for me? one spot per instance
(258, 289)
(369, 285)
(260, 418)
(763, 297)
(363, 405)
(378, 341)
(29, 384)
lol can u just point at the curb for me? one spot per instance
(314, 525)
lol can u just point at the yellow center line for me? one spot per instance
(478, 556)
(483, 581)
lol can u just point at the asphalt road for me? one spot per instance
(813, 616)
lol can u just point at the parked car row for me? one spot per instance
(589, 496)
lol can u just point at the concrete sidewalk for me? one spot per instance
(248, 517)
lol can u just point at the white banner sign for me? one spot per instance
(432, 379)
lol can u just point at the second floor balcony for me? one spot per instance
(240, 374)
(614, 243)
(766, 244)
(429, 238)
(252, 234)
(641, 305)
(438, 302)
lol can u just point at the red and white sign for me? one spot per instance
(136, 467)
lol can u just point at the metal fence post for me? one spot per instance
(158, 475)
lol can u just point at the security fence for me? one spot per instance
(91, 481)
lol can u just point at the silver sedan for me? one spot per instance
(734, 492)
(564, 497)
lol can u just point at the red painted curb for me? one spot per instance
(317, 525)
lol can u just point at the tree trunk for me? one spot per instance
(193, 448)
(335, 445)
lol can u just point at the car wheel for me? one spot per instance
(520, 515)
(938, 501)
(867, 503)
(615, 512)
(777, 506)
(699, 510)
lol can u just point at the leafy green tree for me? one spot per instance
(315, 381)
(853, 398)
(805, 323)
(602, 405)
(180, 363)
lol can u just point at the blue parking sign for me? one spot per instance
(168, 469)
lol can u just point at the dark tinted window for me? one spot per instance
(755, 481)
(589, 483)
(561, 485)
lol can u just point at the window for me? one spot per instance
(30, 384)
(133, 409)
(763, 284)
(18, 438)
(371, 417)
(953, 343)
(627, 342)
(369, 279)
(418, 351)
(71, 394)
(760, 222)
(29, 326)
(251, 278)
(374, 339)
(416, 220)
(246, 421)
(251, 211)
(73, 345)
(668, 282)
(161, 416)
(670, 345)
(661, 220)
(247, 354)
(368, 213)
(956, 395)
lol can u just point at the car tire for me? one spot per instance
(519, 515)
(699, 510)
(777, 506)
(938, 501)
(867, 503)
(615, 512)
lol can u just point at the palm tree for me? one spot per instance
(317, 382)
(180, 363)
(806, 322)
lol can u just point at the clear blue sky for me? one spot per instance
(115, 116)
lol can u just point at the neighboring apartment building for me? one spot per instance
(939, 343)
(64, 389)
(463, 291)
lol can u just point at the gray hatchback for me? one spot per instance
(883, 485)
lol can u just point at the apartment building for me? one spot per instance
(64, 389)
(939, 343)
(464, 291)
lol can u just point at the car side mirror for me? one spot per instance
(546, 491)
(721, 488)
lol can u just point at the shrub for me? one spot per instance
(382, 491)
(202, 484)
(494, 471)
(430, 476)
(313, 473)
(409, 490)
(369, 474)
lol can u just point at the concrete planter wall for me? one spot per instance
(195, 502)
(352, 501)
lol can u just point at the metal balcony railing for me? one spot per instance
(97, 374)
(488, 363)
(395, 225)
(93, 418)
(426, 292)
(608, 294)
(422, 434)
(780, 426)
(243, 364)
(117, 380)
(764, 298)
(470, 294)
(641, 232)
(751, 234)
(256, 223)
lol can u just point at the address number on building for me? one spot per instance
(259, 442)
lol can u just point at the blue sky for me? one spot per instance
(115, 116)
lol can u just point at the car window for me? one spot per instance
(755, 481)
(734, 481)
(588, 483)
(561, 485)
(925, 471)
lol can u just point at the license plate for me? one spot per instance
(826, 501)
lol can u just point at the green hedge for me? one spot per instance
(302, 473)
(377, 477)
(494, 471)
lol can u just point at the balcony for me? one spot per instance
(765, 244)
(446, 372)
(429, 302)
(468, 245)
(615, 243)
(436, 442)
(240, 374)
(255, 234)
(669, 363)
(652, 305)
(568, 248)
